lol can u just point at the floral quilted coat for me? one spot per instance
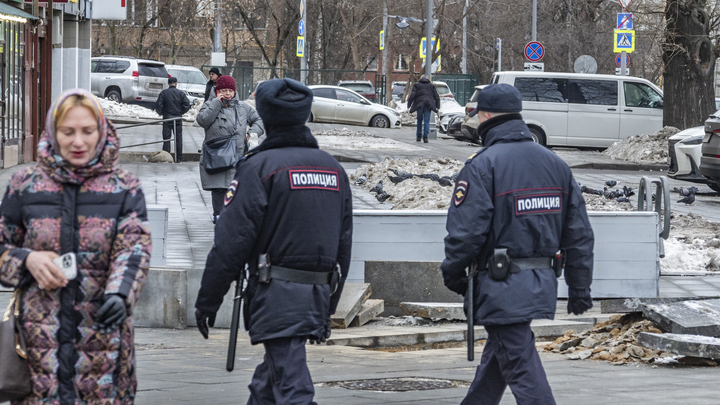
(97, 211)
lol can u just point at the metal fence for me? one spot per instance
(462, 86)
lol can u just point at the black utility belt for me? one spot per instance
(269, 272)
(501, 265)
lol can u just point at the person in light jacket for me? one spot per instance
(223, 115)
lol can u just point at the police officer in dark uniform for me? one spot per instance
(290, 206)
(514, 207)
(172, 102)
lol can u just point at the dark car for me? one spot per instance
(710, 160)
(362, 87)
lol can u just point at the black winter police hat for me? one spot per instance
(283, 102)
(498, 98)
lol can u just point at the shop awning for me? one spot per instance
(14, 13)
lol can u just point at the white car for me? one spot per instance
(684, 153)
(340, 105)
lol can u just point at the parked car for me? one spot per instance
(363, 87)
(586, 110)
(710, 149)
(342, 105)
(398, 89)
(465, 128)
(126, 79)
(685, 155)
(454, 126)
(443, 90)
(191, 80)
(449, 109)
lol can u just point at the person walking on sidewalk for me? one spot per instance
(515, 206)
(289, 207)
(424, 99)
(223, 115)
(76, 199)
(214, 75)
(172, 103)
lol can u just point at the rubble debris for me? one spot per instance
(697, 317)
(354, 295)
(368, 311)
(434, 310)
(614, 341)
(652, 148)
(628, 305)
(694, 346)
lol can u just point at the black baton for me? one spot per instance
(235, 323)
(471, 313)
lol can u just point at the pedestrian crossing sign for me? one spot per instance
(300, 52)
(624, 41)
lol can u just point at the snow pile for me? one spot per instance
(414, 193)
(347, 139)
(693, 245)
(114, 109)
(651, 148)
(594, 202)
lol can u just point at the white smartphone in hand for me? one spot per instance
(67, 265)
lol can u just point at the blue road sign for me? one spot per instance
(301, 28)
(534, 51)
(625, 21)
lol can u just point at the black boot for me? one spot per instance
(417, 139)
(425, 140)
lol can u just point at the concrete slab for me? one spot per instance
(353, 297)
(684, 345)
(628, 305)
(163, 301)
(687, 317)
(369, 337)
(434, 310)
(368, 311)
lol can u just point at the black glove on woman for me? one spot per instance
(111, 314)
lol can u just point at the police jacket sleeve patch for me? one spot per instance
(461, 190)
(538, 201)
(231, 192)
(303, 179)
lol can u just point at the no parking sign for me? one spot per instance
(534, 51)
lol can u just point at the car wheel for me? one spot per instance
(537, 135)
(114, 95)
(714, 186)
(380, 121)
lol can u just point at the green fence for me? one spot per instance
(462, 86)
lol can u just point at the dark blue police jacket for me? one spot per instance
(292, 201)
(518, 195)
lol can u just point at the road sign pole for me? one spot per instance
(499, 49)
(303, 60)
(428, 34)
(623, 63)
(534, 21)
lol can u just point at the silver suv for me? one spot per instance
(126, 79)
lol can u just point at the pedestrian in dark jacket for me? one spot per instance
(515, 200)
(424, 99)
(172, 102)
(214, 74)
(221, 116)
(291, 201)
(76, 199)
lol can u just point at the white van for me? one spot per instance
(571, 109)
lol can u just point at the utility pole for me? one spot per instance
(304, 60)
(217, 42)
(428, 39)
(464, 40)
(534, 21)
(385, 51)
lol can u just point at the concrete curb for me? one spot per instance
(394, 336)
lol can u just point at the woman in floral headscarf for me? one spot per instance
(78, 332)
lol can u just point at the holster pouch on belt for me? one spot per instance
(499, 265)
(263, 269)
(267, 272)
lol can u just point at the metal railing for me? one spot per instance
(173, 147)
(661, 195)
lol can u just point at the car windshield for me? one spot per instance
(188, 76)
(442, 90)
(398, 89)
(360, 88)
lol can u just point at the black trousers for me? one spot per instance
(168, 127)
(283, 376)
(510, 358)
(218, 200)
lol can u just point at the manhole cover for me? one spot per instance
(397, 384)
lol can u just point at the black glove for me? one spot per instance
(204, 319)
(326, 334)
(457, 282)
(111, 314)
(579, 300)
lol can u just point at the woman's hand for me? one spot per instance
(41, 266)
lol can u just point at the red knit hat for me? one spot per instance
(225, 82)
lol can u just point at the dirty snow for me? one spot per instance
(348, 139)
(693, 246)
(414, 193)
(652, 148)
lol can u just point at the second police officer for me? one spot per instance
(515, 205)
(290, 206)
